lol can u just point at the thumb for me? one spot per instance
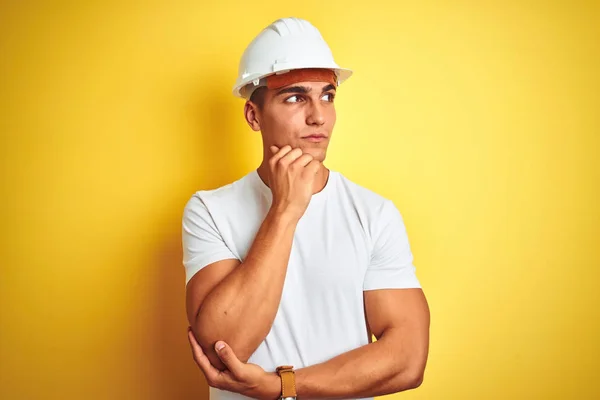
(274, 149)
(228, 357)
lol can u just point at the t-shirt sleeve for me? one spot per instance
(391, 265)
(202, 242)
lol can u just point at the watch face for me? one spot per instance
(288, 398)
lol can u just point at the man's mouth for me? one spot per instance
(315, 137)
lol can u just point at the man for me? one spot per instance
(293, 267)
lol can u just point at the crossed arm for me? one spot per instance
(399, 319)
(227, 294)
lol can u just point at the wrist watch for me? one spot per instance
(288, 382)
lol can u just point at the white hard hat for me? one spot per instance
(286, 44)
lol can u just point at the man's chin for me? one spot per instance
(318, 153)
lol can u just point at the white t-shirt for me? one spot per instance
(349, 240)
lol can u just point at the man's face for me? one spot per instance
(291, 114)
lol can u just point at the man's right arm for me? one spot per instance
(237, 302)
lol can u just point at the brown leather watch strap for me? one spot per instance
(288, 380)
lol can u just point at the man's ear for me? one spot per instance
(251, 114)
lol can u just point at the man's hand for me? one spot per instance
(292, 174)
(246, 379)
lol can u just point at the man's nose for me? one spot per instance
(315, 114)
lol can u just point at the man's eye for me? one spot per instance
(328, 97)
(292, 99)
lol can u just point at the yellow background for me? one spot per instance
(479, 119)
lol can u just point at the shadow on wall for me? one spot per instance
(175, 375)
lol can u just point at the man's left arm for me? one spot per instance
(399, 319)
(397, 314)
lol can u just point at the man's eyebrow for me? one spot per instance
(304, 89)
(294, 89)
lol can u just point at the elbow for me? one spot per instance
(202, 334)
(410, 378)
(206, 330)
(207, 338)
(416, 379)
(207, 343)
